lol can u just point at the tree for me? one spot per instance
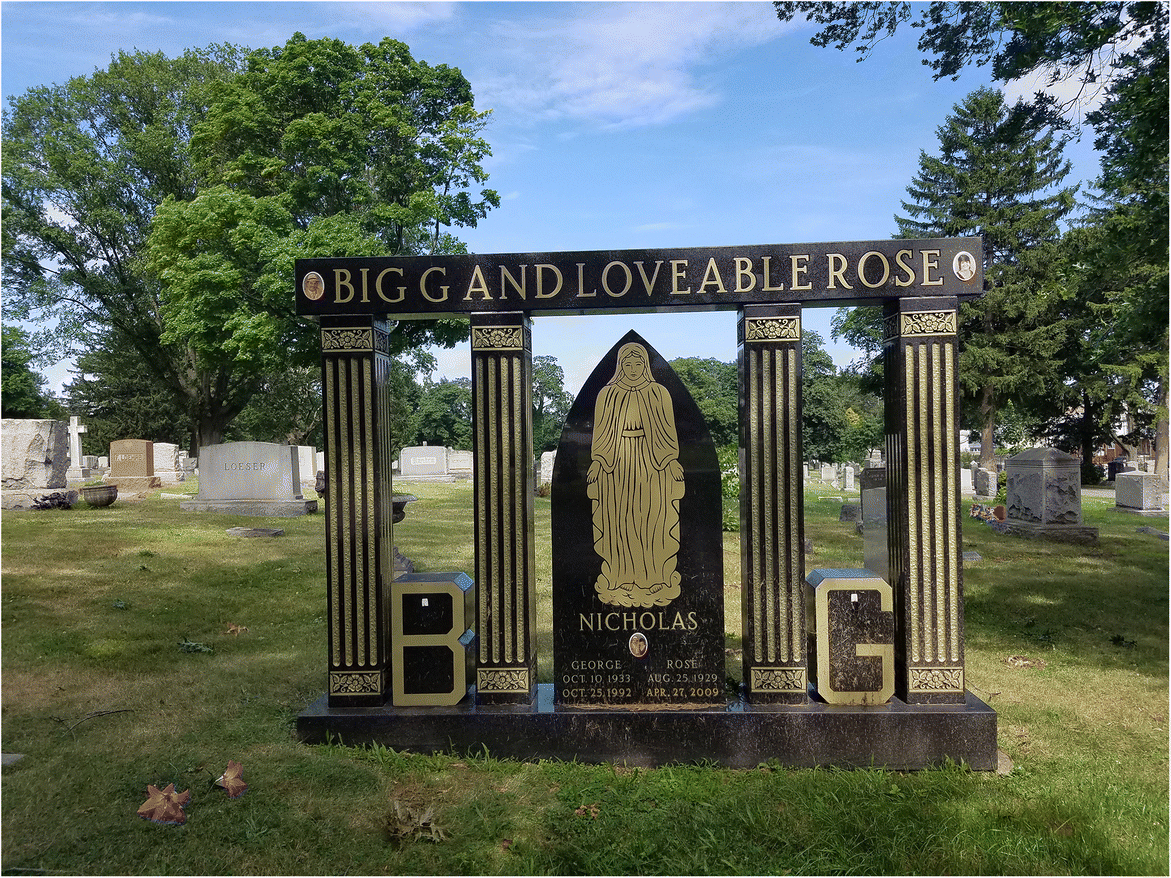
(550, 403)
(715, 387)
(166, 200)
(22, 391)
(444, 416)
(998, 175)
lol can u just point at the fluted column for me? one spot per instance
(922, 446)
(772, 533)
(502, 389)
(359, 547)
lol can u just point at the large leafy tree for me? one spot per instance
(999, 175)
(551, 403)
(715, 387)
(165, 200)
(22, 391)
(1119, 49)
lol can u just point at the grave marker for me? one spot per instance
(250, 478)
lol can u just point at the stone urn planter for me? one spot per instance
(400, 502)
(99, 495)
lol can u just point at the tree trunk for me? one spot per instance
(987, 428)
(1161, 437)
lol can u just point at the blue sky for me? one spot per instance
(614, 126)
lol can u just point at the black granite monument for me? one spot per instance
(638, 600)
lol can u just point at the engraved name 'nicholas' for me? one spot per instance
(638, 621)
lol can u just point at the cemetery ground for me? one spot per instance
(125, 664)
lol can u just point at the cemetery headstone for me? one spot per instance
(547, 462)
(459, 462)
(166, 463)
(967, 486)
(985, 483)
(1140, 493)
(132, 466)
(423, 460)
(637, 545)
(103, 462)
(34, 459)
(1045, 497)
(829, 473)
(875, 552)
(307, 466)
(848, 478)
(250, 478)
(77, 469)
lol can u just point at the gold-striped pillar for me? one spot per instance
(359, 547)
(772, 532)
(922, 448)
(502, 393)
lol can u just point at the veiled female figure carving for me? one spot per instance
(635, 483)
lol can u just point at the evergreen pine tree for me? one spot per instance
(998, 175)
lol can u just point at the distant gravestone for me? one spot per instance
(34, 458)
(132, 466)
(875, 551)
(638, 613)
(848, 478)
(166, 463)
(250, 478)
(1139, 492)
(985, 483)
(423, 460)
(967, 486)
(548, 459)
(1045, 497)
(459, 463)
(307, 466)
(77, 468)
(828, 473)
(132, 458)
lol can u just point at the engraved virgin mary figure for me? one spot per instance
(634, 484)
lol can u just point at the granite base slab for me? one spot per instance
(259, 508)
(1077, 534)
(895, 735)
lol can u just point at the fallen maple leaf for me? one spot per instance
(232, 780)
(164, 806)
(236, 630)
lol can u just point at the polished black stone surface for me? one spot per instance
(895, 735)
(620, 645)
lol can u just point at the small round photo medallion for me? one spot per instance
(638, 644)
(964, 266)
(313, 286)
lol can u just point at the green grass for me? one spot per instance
(1068, 644)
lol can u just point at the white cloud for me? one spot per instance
(623, 65)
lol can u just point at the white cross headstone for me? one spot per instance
(76, 428)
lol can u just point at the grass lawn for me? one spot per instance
(120, 670)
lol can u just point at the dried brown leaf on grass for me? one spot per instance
(232, 780)
(406, 823)
(164, 806)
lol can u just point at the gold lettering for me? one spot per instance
(678, 273)
(541, 294)
(707, 275)
(402, 291)
(837, 266)
(477, 285)
(606, 286)
(799, 270)
(767, 288)
(744, 270)
(365, 294)
(506, 277)
(862, 270)
(692, 622)
(610, 627)
(928, 265)
(899, 261)
(649, 284)
(586, 621)
(442, 290)
(581, 293)
(341, 278)
(629, 620)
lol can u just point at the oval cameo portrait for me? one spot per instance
(313, 286)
